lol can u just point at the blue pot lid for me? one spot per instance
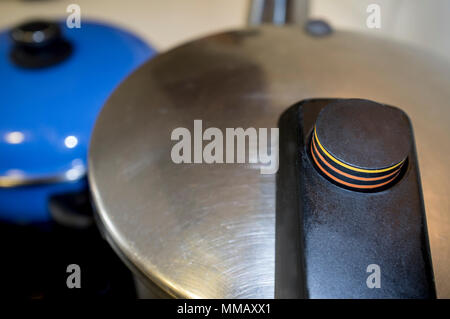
(47, 114)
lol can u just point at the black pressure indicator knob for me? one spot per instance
(360, 144)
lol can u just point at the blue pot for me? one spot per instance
(48, 108)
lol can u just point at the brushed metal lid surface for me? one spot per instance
(208, 230)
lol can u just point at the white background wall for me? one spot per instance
(422, 22)
(166, 23)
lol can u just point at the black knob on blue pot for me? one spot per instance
(38, 44)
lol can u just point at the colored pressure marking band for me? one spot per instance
(349, 176)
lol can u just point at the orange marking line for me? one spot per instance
(352, 168)
(345, 183)
(348, 175)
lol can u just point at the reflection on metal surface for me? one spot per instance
(209, 230)
(278, 12)
(17, 178)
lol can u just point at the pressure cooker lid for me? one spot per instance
(208, 230)
(53, 83)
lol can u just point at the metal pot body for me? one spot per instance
(208, 230)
